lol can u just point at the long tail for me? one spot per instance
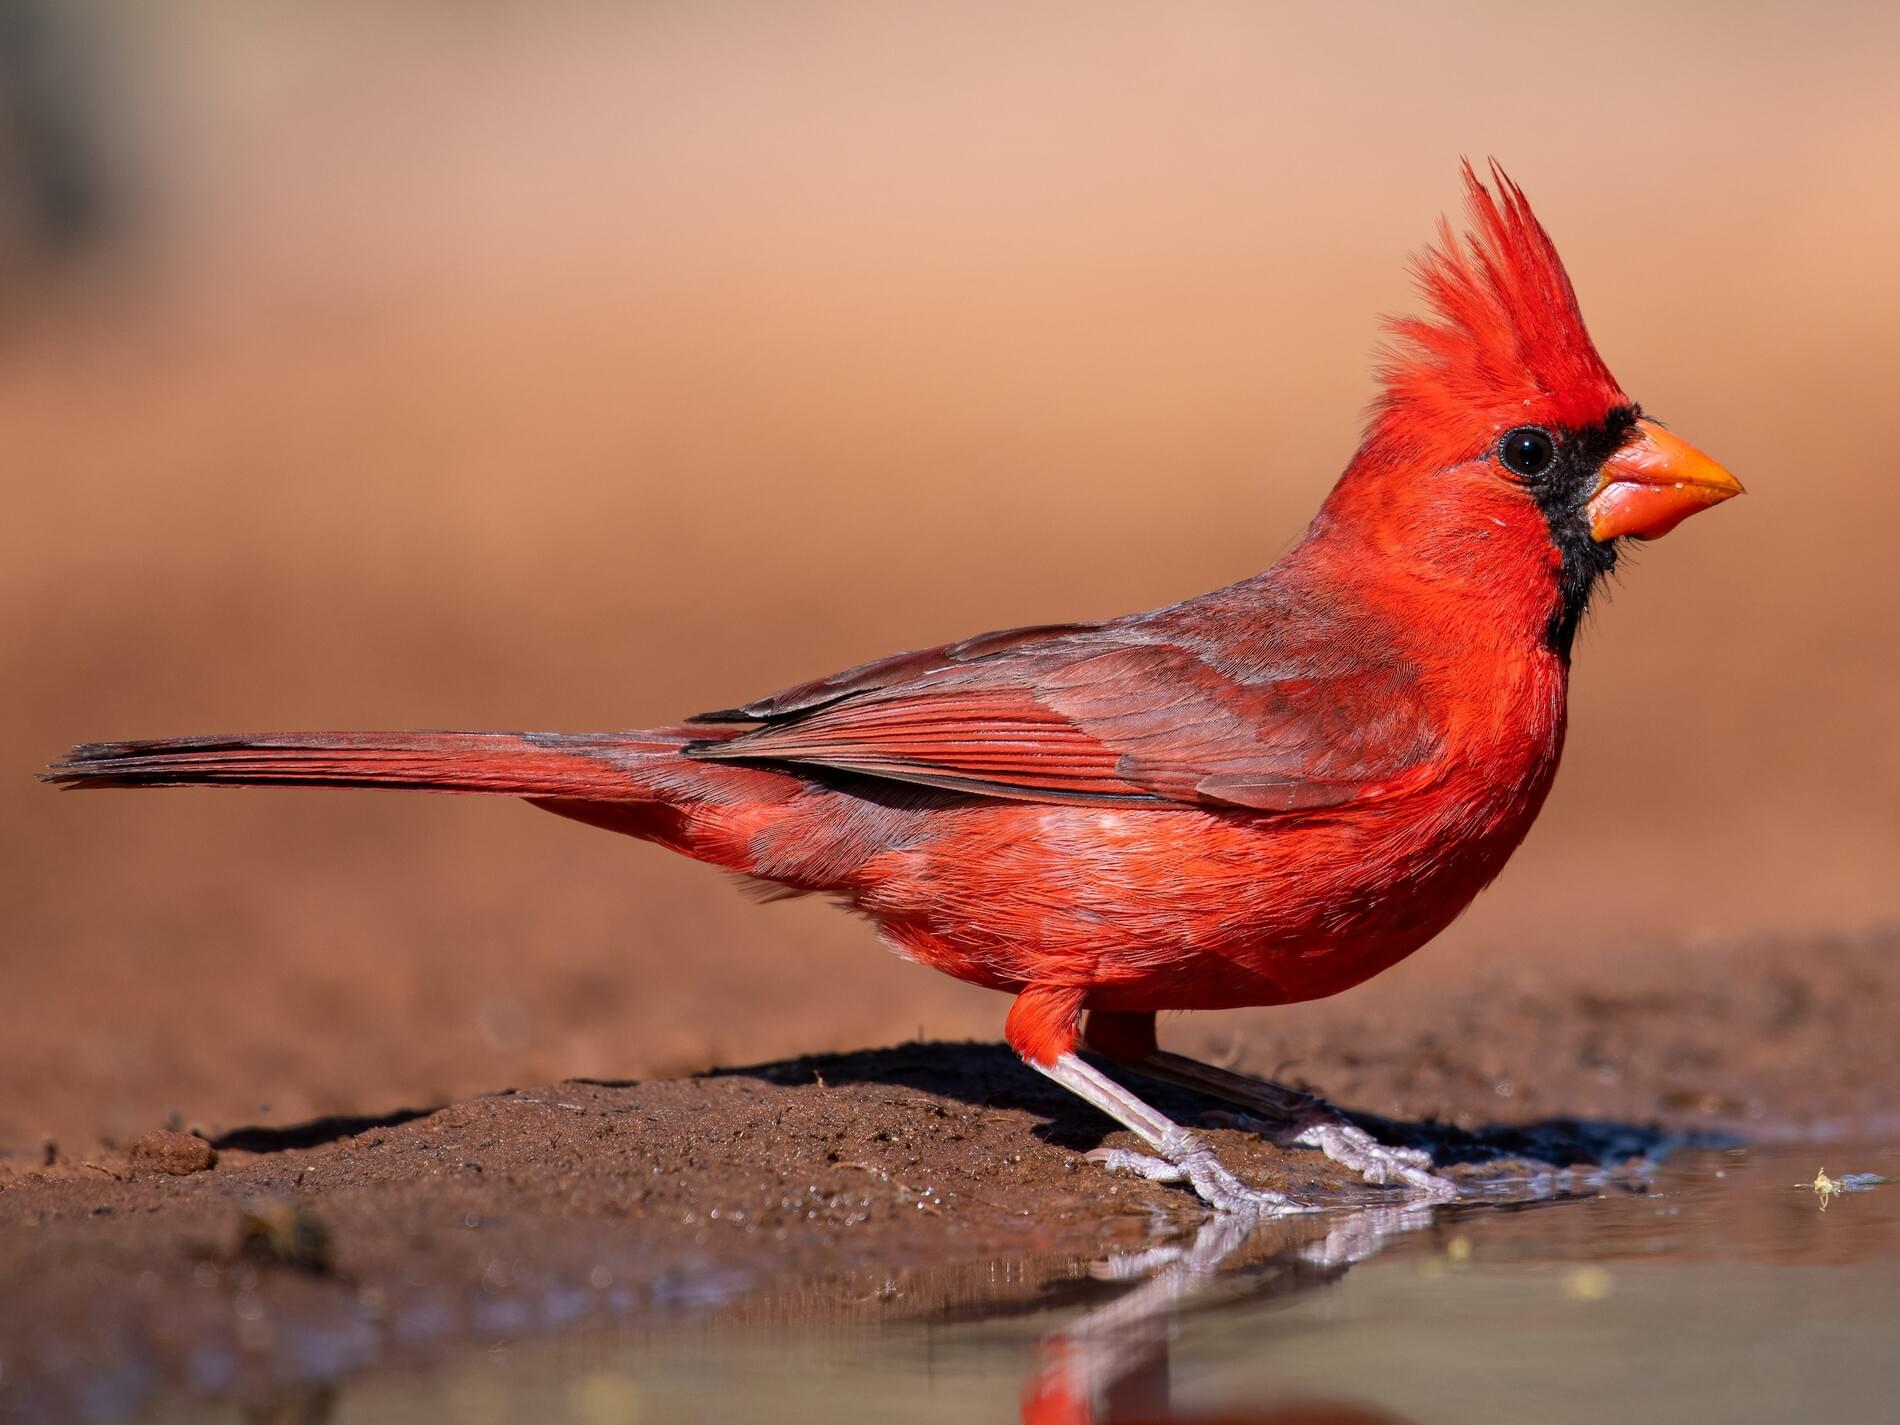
(590, 767)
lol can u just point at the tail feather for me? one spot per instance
(587, 766)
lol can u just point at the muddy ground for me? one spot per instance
(306, 1250)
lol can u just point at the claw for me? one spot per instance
(1346, 1144)
(1352, 1147)
(1125, 1160)
(1192, 1162)
(1179, 1157)
(1296, 1119)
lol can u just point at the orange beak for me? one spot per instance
(1654, 483)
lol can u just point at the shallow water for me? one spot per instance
(1720, 1286)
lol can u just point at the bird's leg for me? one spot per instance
(1287, 1116)
(1043, 1027)
(1179, 1156)
(1299, 1119)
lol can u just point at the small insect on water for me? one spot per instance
(1826, 1187)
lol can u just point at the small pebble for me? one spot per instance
(176, 1153)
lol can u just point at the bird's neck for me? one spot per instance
(1468, 607)
(1470, 565)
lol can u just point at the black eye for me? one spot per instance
(1528, 450)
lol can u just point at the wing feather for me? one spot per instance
(1130, 714)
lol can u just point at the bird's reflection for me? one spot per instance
(1111, 1366)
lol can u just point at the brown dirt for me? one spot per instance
(524, 1210)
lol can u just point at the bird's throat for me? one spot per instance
(1583, 563)
(1563, 496)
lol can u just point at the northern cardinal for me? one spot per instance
(1257, 796)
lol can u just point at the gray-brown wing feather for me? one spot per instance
(1135, 712)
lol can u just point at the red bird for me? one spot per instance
(1257, 796)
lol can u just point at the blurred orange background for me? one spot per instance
(581, 367)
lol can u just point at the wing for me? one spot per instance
(1137, 713)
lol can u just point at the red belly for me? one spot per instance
(1182, 908)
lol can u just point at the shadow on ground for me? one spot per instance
(990, 1076)
(313, 1133)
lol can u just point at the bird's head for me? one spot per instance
(1501, 450)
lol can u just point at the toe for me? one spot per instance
(1429, 1183)
(1121, 1160)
